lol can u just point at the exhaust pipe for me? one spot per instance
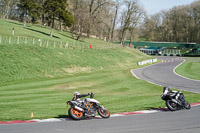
(78, 108)
(177, 102)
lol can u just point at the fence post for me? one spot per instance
(66, 45)
(40, 42)
(18, 40)
(13, 31)
(25, 40)
(47, 43)
(61, 44)
(9, 41)
(0, 39)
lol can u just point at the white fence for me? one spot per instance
(72, 44)
(147, 61)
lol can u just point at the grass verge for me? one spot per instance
(190, 68)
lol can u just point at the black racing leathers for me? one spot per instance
(79, 96)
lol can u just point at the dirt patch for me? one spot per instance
(49, 76)
(75, 86)
(75, 69)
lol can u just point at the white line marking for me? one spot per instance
(162, 85)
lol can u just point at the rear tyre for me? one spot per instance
(187, 105)
(172, 106)
(75, 114)
(103, 112)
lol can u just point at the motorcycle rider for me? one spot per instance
(168, 92)
(77, 95)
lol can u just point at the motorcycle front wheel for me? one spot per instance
(103, 112)
(187, 105)
(172, 106)
(75, 114)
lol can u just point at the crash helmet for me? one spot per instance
(76, 93)
(166, 88)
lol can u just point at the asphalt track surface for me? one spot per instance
(183, 121)
(163, 74)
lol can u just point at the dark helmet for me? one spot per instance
(166, 88)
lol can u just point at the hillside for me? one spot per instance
(23, 62)
(41, 79)
(20, 61)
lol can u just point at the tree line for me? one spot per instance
(106, 19)
(110, 20)
(179, 24)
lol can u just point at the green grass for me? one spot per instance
(39, 32)
(190, 68)
(40, 80)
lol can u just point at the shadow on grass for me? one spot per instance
(62, 116)
(68, 36)
(159, 109)
(15, 23)
(40, 32)
(71, 37)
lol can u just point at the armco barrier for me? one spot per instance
(147, 61)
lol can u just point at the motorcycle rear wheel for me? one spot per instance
(171, 105)
(75, 114)
(103, 112)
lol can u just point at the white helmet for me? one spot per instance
(76, 93)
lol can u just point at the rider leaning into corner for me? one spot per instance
(77, 95)
(168, 92)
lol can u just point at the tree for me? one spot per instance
(127, 17)
(7, 7)
(80, 24)
(94, 6)
(29, 9)
(93, 18)
(135, 21)
(117, 6)
(57, 10)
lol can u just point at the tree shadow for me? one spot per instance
(67, 36)
(15, 23)
(40, 32)
(70, 36)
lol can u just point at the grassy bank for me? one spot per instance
(41, 34)
(41, 79)
(190, 68)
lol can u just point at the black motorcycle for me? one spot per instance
(174, 103)
(87, 107)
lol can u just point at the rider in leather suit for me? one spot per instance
(77, 95)
(168, 92)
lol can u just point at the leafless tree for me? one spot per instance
(131, 10)
(117, 5)
(8, 8)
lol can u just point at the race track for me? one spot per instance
(182, 121)
(163, 74)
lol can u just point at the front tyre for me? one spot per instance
(187, 105)
(75, 114)
(172, 106)
(103, 112)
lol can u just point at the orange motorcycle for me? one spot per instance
(87, 107)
